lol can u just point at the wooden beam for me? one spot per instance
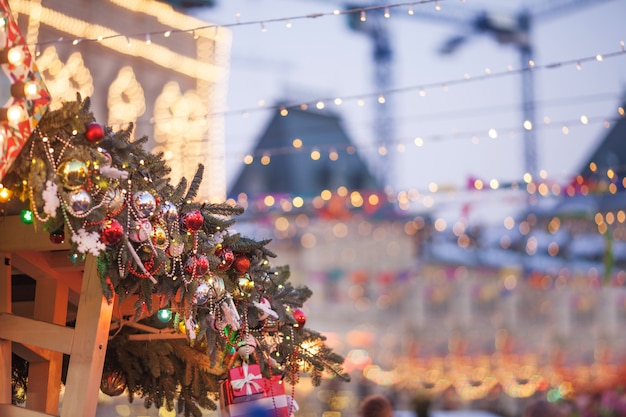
(6, 391)
(8, 410)
(38, 333)
(25, 237)
(36, 265)
(88, 348)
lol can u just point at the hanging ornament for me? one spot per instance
(265, 309)
(159, 237)
(197, 265)
(241, 264)
(144, 204)
(168, 212)
(300, 317)
(226, 259)
(140, 231)
(202, 294)
(271, 325)
(193, 220)
(175, 248)
(245, 287)
(115, 200)
(79, 201)
(113, 382)
(108, 170)
(112, 232)
(94, 132)
(246, 347)
(58, 236)
(73, 174)
(218, 289)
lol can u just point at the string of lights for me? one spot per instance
(564, 126)
(322, 103)
(147, 36)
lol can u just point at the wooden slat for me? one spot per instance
(8, 410)
(37, 333)
(93, 322)
(25, 237)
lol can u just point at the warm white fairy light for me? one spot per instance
(288, 24)
(386, 13)
(437, 5)
(599, 58)
(363, 17)
(411, 12)
(493, 133)
(528, 125)
(584, 119)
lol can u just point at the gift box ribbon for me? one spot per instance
(247, 381)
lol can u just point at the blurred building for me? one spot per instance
(140, 62)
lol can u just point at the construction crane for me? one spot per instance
(512, 29)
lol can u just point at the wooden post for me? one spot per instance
(5, 345)
(44, 377)
(89, 346)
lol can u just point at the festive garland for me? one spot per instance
(115, 200)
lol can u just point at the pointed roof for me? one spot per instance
(292, 170)
(610, 154)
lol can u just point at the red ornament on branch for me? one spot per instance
(94, 132)
(193, 220)
(241, 264)
(300, 317)
(112, 232)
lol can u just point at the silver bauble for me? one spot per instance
(115, 199)
(202, 294)
(217, 286)
(73, 174)
(79, 201)
(144, 204)
(168, 212)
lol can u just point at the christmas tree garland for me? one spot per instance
(115, 200)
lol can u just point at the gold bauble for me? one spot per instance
(73, 174)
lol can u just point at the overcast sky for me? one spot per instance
(322, 58)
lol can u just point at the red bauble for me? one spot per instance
(94, 132)
(241, 264)
(197, 265)
(57, 237)
(113, 382)
(193, 220)
(300, 317)
(228, 257)
(112, 232)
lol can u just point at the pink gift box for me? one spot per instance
(245, 383)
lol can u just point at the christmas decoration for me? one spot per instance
(29, 97)
(300, 317)
(58, 236)
(113, 382)
(155, 244)
(193, 220)
(112, 232)
(94, 132)
(241, 264)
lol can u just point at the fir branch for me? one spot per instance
(195, 184)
